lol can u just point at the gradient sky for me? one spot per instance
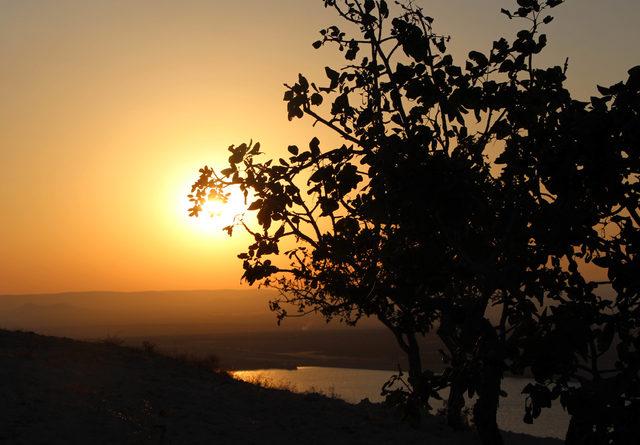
(108, 108)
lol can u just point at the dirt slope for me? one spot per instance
(57, 390)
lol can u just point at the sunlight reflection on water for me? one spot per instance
(354, 385)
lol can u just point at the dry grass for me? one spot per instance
(329, 392)
(285, 385)
(149, 347)
(266, 382)
(112, 340)
(209, 362)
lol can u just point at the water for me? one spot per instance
(354, 385)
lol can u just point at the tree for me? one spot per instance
(591, 358)
(361, 249)
(412, 222)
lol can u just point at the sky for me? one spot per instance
(109, 108)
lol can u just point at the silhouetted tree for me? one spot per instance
(415, 221)
(361, 247)
(586, 347)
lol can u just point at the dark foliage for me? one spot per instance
(459, 192)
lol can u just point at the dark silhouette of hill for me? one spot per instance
(95, 314)
(57, 390)
(236, 325)
(343, 348)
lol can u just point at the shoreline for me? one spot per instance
(68, 391)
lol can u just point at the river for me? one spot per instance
(354, 385)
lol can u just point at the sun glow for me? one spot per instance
(217, 214)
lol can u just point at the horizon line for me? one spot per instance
(131, 291)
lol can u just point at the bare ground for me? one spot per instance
(58, 390)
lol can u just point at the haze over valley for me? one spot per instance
(234, 325)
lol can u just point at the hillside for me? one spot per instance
(97, 314)
(57, 390)
(236, 325)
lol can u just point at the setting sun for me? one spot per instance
(217, 214)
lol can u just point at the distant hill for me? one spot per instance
(96, 314)
(236, 325)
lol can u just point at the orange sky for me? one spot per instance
(108, 108)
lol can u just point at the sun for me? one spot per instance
(217, 214)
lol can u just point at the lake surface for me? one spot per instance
(354, 385)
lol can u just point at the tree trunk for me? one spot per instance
(415, 380)
(486, 408)
(578, 432)
(455, 405)
(455, 401)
